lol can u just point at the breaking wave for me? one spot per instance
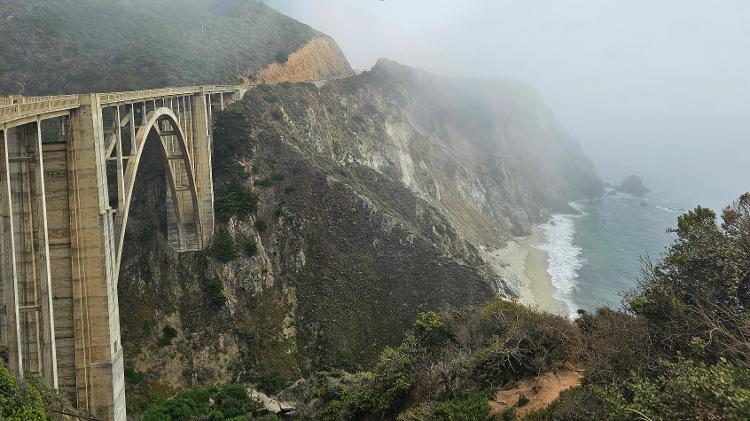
(565, 257)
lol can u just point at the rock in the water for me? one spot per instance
(633, 184)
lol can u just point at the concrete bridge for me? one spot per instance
(68, 165)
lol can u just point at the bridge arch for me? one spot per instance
(162, 125)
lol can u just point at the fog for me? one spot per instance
(659, 89)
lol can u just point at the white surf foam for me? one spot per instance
(565, 258)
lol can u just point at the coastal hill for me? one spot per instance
(345, 209)
(59, 47)
(376, 195)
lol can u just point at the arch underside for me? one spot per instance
(183, 211)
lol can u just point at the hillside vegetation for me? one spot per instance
(64, 46)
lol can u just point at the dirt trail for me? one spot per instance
(537, 392)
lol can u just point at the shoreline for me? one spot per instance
(536, 271)
(524, 268)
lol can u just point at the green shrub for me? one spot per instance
(289, 189)
(261, 225)
(272, 179)
(344, 359)
(216, 292)
(235, 200)
(229, 402)
(364, 259)
(474, 407)
(685, 390)
(223, 246)
(132, 376)
(251, 247)
(281, 57)
(19, 402)
(232, 140)
(168, 333)
(272, 382)
(257, 166)
(148, 326)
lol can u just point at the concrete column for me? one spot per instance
(201, 134)
(11, 329)
(100, 381)
(47, 323)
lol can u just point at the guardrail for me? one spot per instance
(14, 108)
(37, 107)
(115, 97)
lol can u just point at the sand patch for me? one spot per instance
(536, 393)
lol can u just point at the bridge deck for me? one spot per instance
(22, 108)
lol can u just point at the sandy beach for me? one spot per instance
(524, 268)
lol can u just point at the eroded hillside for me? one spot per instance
(375, 197)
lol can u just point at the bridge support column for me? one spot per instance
(100, 383)
(201, 134)
(10, 317)
(27, 285)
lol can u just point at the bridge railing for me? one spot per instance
(17, 107)
(38, 105)
(114, 97)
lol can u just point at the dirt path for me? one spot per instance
(536, 393)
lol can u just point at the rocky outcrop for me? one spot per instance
(320, 59)
(633, 184)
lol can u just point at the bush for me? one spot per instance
(272, 179)
(617, 344)
(685, 390)
(223, 246)
(251, 248)
(235, 200)
(209, 403)
(344, 359)
(132, 376)
(216, 292)
(168, 333)
(522, 342)
(272, 382)
(474, 407)
(19, 402)
(281, 57)
(232, 141)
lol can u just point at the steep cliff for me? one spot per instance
(62, 46)
(319, 59)
(376, 194)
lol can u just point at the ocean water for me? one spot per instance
(595, 255)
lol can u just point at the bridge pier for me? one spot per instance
(65, 192)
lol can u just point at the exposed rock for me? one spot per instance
(321, 59)
(633, 184)
(272, 405)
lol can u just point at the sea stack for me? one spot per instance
(633, 184)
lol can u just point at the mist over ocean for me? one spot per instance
(595, 256)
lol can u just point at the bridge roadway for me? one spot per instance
(68, 165)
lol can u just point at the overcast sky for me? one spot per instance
(660, 88)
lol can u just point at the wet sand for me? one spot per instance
(524, 268)
(540, 282)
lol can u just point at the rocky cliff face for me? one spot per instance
(319, 59)
(59, 46)
(377, 193)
